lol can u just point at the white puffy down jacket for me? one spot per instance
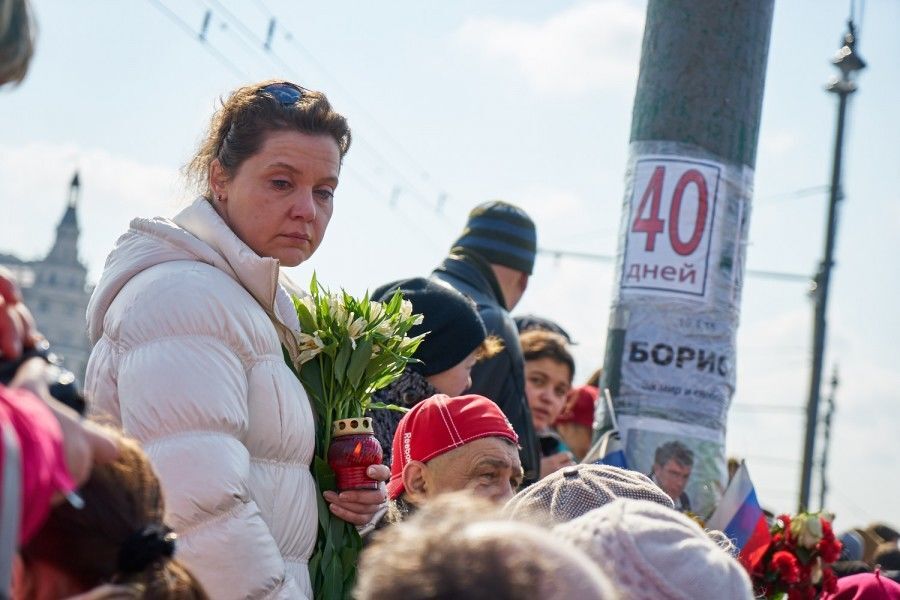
(188, 361)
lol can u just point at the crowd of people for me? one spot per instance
(189, 476)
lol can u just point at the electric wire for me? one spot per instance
(607, 258)
(260, 44)
(242, 30)
(182, 24)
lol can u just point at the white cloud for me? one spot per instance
(777, 143)
(590, 46)
(34, 182)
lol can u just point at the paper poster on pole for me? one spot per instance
(686, 461)
(678, 365)
(671, 226)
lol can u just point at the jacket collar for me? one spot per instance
(475, 271)
(259, 275)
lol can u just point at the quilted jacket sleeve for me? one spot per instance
(182, 354)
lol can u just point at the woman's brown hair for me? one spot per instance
(17, 31)
(121, 500)
(238, 129)
(538, 344)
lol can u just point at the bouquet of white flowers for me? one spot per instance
(347, 349)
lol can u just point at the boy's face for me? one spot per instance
(547, 383)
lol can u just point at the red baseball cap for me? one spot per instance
(439, 424)
(579, 407)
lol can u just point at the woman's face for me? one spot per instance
(547, 384)
(280, 199)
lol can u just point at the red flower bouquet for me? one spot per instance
(795, 565)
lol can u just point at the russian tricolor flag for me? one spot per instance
(741, 518)
(610, 451)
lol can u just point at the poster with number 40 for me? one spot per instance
(671, 226)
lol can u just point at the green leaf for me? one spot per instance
(324, 475)
(311, 378)
(307, 323)
(314, 563)
(334, 583)
(393, 306)
(383, 406)
(328, 558)
(349, 558)
(340, 363)
(358, 363)
(336, 533)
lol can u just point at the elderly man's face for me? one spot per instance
(672, 477)
(488, 467)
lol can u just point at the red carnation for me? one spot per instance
(806, 592)
(785, 521)
(786, 565)
(786, 529)
(805, 572)
(829, 549)
(829, 580)
(827, 531)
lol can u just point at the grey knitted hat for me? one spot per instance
(655, 553)
(573, 491)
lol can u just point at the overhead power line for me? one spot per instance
(793, 277)
(264, 46)
(767, 408)
(801, 193)
(186, 27)
(253, 43)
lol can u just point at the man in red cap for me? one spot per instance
(448, 444)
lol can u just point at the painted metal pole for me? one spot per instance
(848, 61)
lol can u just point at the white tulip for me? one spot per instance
(357, 327)
(376, 309)
(406, 309)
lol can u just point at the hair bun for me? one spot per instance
(145, 547)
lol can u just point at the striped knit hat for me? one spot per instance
(502, 234)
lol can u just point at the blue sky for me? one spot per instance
(529, 102)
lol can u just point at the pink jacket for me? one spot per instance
(41, 457)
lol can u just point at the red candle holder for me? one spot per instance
(353, 449)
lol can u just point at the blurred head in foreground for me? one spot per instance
(456, 547)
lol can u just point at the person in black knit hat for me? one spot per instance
(455, 342)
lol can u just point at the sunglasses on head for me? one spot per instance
(287, 94)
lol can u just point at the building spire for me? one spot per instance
(74, 191)
(65, 246)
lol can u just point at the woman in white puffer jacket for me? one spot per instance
(188, 322)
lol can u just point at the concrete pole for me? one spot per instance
(670, 354)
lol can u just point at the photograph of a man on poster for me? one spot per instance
(672, 465)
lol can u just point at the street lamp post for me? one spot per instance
(849, 62)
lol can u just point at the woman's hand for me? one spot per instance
(359, 507)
